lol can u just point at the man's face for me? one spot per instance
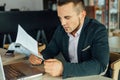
(69, 18)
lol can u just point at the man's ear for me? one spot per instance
(82, 14)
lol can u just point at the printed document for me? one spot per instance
(27, 41)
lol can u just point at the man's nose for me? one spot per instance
(63, 22)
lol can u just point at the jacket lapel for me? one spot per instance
(82, 38)
(65, 46)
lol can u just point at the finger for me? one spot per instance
(30, 58)
(39, 53)
(50, 60)
(34, 60)
(33, 57)
(48, 63)
(48, 69)
(37, 61)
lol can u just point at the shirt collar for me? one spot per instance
(77, 33)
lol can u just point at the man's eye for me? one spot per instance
(67, 18)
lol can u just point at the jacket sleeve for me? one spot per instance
(52, 49)
(97, 64)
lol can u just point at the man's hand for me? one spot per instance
(35, 60)
(53, 66)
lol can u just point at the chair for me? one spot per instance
(90, 11)
(115, 65)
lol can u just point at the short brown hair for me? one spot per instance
(78, 3)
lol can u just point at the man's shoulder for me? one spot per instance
(94, 24)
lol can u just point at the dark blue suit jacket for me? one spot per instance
(93, 49)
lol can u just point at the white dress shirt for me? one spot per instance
(73, 45)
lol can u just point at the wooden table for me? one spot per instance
(94, 77)
(9, 60)
(19, 57)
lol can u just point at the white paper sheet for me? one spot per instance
(2, 74)
(27, 41)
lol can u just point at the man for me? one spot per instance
(82, 41)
